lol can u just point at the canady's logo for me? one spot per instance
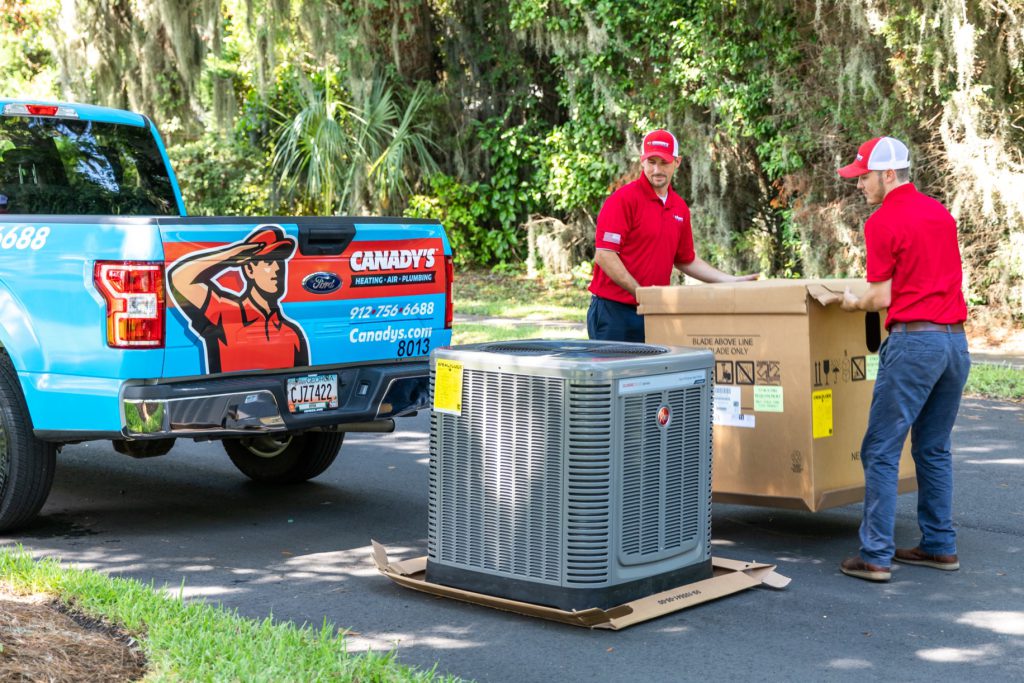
(664, 416)
(321, 283)
(393, 259)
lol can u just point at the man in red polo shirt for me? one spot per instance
(643, 231)
(913, 270)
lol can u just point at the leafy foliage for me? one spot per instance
(333, 156)
(222, 176)
(463, 212)
(486, 113)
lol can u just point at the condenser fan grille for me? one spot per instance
(588, 496)
(661, 474)
(502, 478)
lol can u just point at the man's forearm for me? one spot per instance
(700, 269)
(612, 265)
(878, 296)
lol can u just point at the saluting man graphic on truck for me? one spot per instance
(247, 330)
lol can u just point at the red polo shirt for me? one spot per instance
(649, 236)
(912, 240)
(243, 338)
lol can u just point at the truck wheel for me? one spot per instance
(285, 458)
(26, 463)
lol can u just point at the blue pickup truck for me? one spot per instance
(123, 319)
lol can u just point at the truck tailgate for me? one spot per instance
(270, 293)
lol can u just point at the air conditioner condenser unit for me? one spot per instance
(573, 474)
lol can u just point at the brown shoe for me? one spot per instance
(857, 567)
(947, 563)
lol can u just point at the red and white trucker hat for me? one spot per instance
(880, 154)
(661, 144)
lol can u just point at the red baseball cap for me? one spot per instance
(880, 154)
(661, 144)
(273, 240)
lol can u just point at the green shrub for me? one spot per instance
(460, 210)
(221, 176)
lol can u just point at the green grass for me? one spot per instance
(516, 296)
(199, 642)
(995, 381)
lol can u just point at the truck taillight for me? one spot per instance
(134, 292)
(449, 304)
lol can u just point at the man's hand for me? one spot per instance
(699, 269)
(850, 302)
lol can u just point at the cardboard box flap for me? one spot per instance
(761, 296)
(764, 573)
(823, 291)
(730, 576)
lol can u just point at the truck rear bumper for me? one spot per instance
(241, 406)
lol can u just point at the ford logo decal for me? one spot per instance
(321, 283)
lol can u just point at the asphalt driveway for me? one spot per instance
(189, 521)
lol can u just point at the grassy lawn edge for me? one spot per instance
(192, 641)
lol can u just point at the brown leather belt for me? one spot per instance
(924, 326)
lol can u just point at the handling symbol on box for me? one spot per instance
(769, 372)
(858, 368)
(744, 372)
(723, 372)
(835, 371)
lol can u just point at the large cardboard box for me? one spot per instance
(793, 384)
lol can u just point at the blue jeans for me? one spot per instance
(921, 376)
(613, 321)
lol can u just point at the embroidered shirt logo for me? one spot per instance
(613, 237)
(679, 218)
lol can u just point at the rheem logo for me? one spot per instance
(664, 416)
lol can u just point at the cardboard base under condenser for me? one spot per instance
(730, 576)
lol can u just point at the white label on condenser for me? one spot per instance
(640, 385)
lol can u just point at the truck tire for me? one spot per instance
(285, 458)
(26, 463)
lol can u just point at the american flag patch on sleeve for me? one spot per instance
(613, 237)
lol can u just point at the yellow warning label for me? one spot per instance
(821, 413)
(448, 387)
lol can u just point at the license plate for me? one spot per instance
(312, 393)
